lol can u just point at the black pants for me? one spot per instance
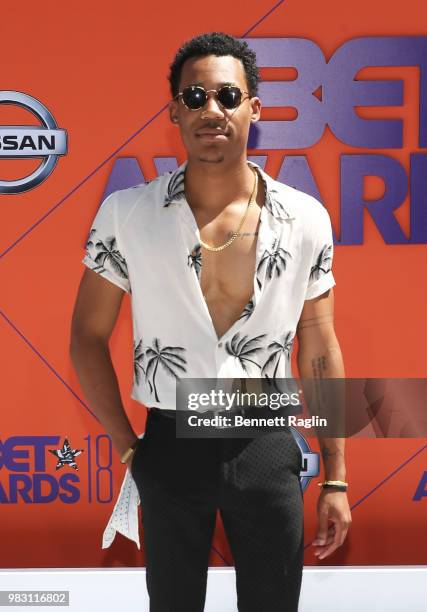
(254, 482)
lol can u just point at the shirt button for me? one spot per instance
(219, 344)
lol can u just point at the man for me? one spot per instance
(225, 266)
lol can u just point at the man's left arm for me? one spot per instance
(319, 356)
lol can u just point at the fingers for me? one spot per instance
(321, 539)
(323, 530)
(321, 544)
(336, 536)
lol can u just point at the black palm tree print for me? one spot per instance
(89, 243)
(169, 358)
(276, 350)
(139, 352)
(248, 309)
(194, 260)
(273, 204)
(323, 263)
(107, 252)
(274, 261)
(245, 349)
(175, 190)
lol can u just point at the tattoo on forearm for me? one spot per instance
(318, 366)
(327, 452)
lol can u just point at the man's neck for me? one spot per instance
(213, 186)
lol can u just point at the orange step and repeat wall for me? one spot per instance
(350, 127)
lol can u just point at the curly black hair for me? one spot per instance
(219, 44)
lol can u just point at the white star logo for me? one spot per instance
(66, 455)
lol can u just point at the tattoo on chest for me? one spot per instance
(242, 234)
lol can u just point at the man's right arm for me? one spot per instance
(95, 313)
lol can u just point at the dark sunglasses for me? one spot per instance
(194, 97)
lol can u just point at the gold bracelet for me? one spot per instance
(129, 452)
(340, 485)
(337, 482)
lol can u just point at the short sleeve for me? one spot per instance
(321, 278)
(103, 254)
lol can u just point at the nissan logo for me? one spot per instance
(45, 141)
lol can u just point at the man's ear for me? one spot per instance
(256, 109)
(173, 112)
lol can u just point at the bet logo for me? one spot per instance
(310, 465)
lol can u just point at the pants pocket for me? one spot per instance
(133, 463)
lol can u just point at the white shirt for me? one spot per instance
(145, 239)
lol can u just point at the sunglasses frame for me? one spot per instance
(207, 91)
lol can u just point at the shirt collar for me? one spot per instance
(275, 202)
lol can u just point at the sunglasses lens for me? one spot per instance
(230, 97)
(194, 97)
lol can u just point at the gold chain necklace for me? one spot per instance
(234, 235)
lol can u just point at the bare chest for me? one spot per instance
(227, 276)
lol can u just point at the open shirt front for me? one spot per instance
(145, 240)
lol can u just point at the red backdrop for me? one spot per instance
(101, 70)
